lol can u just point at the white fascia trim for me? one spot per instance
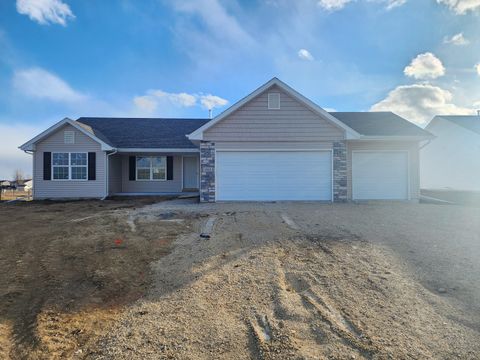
(30, 145)
(350, 133)
(393, 138)
(159, 150)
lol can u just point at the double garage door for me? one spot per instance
(274, 175)
(307, 175)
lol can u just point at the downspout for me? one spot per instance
(107, 165)
(31, 152)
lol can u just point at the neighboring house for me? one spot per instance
(452, 159)
(274, 144)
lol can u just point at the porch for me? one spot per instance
(153, 173)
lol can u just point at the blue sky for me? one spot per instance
(172, 58)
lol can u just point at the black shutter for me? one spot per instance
(92, 168)
(47, 166)
(132, 168)
(169, 167)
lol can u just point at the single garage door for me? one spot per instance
(273, 175)
(380, 175)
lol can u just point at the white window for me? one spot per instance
(69, 137)
(69, 166)
(273, 101)
(151, 168)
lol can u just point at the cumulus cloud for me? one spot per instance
(45, 11)
(394, 3)
(304, 54)
(425, 66)
(457, 39)
(333, 5)
(461, 7)
(150, 102)
(39, 83)
(211, 101)
(419, 103)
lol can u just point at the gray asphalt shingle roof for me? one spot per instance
(469, 122)
(171, 133)
(143, 132)
(379, 124)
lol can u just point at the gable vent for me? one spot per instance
(273, 101)
(69, 137)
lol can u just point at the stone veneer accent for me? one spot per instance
(339, 171)
(207, 171)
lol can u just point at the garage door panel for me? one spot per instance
(380, 175)
(273, 175)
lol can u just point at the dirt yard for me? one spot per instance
(128, 280)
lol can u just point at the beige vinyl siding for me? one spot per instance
(50, 189)
(251, 145)
(114, 174)
(145, 186)
(413, 160)
(292, 122)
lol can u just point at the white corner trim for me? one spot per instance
(30, 145)
(350, 133)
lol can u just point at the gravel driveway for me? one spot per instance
(309, 280)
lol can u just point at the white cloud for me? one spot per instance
(304, 54)
(461, 7)
(45, 11)
(395, 3)
(39, 83)
(150, 102)
(425, 66)
(477, 67)
(333, 5)
(212, 101)
(457, 39)
(12, 158)
(420, 102)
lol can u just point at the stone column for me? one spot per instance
(207, 171)
(339, 171)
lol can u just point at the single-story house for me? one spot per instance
(274, 144)
(452, 160)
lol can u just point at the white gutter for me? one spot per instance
(164, 150)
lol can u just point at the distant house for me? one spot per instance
(5, 184)
(452, 159)
(274, 144)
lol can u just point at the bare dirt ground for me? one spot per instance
(273, 281)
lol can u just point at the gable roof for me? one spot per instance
(143, 133)
(380, 124)
(469, 122)
(30, 145)
(351, 133)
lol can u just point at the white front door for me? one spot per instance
(380, 175)
(190, 172)
(273, 175)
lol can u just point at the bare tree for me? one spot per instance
(18, 176)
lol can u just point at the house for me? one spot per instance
(274, 144)
(452, 159)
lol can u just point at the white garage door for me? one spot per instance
(273, 175)
(380, 175)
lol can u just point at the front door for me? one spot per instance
(190, 172)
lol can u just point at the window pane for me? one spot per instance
(60, 172)
(60, 158)
(143, 162)
(143, 174)
(158, 161)
(158, 173)
(79, 172)
(78, 158)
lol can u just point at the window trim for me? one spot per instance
(69, 165)
(151, 168)
(268, 100)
